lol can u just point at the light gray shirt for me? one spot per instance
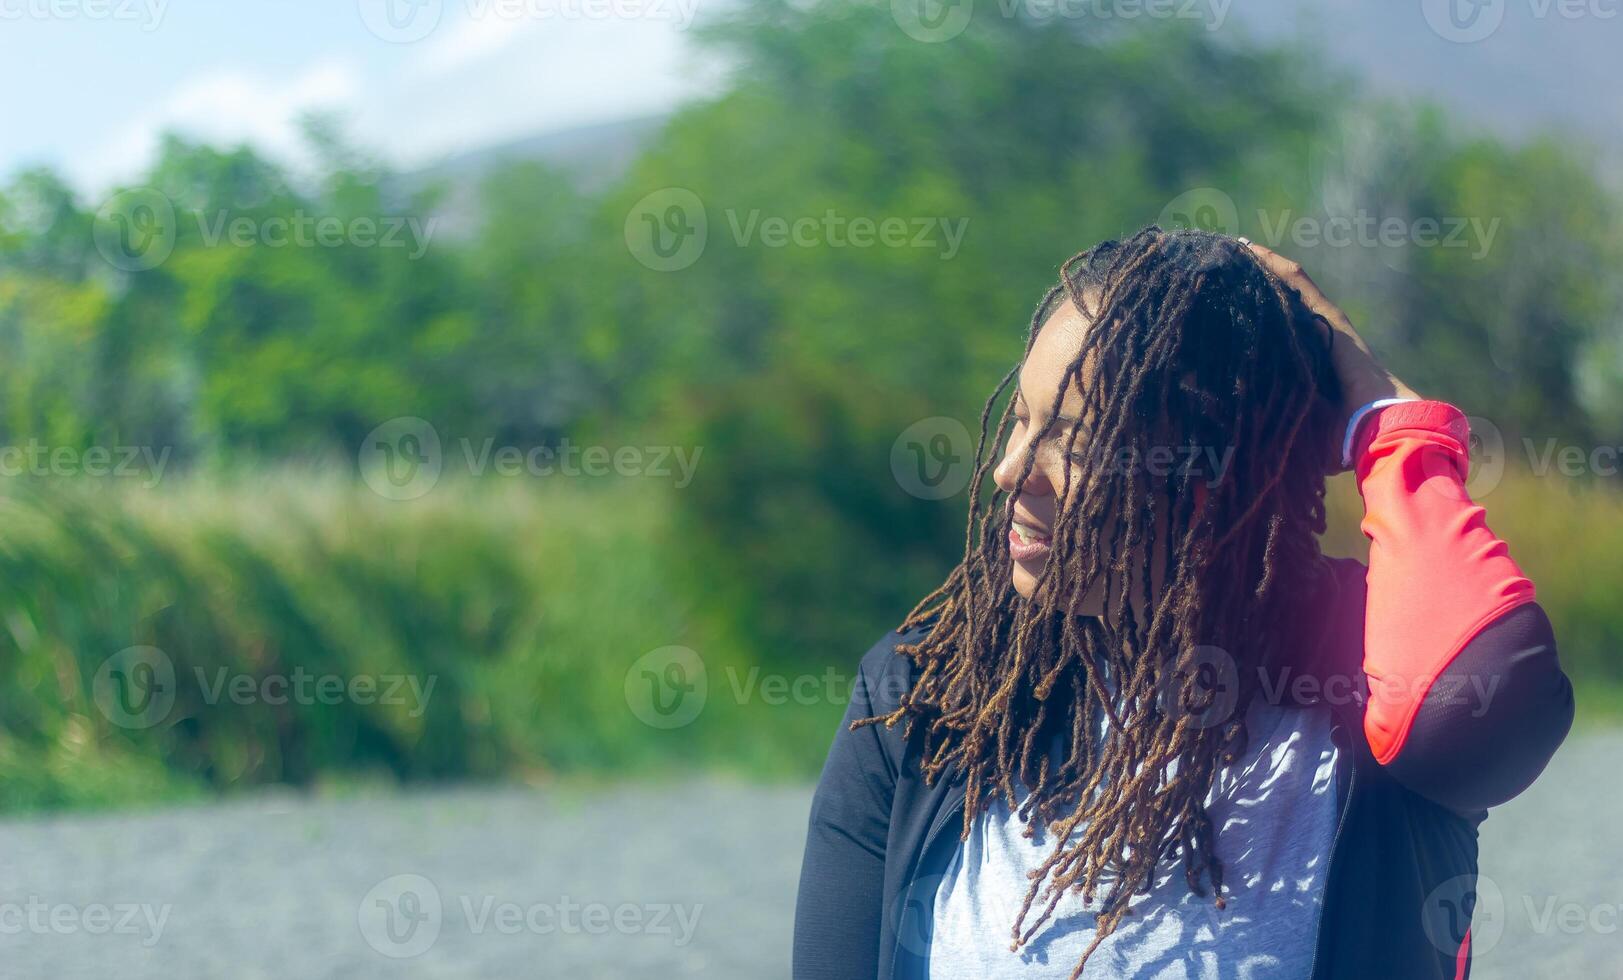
(1275, 813)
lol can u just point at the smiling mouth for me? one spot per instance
(1028, 534)
(1027, 543)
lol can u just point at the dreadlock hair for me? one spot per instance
(1194, 345)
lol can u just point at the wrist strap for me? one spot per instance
(1357, 417)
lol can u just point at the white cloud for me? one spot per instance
(223, 107)
(468, 41)
(483, 77)
(539, 75)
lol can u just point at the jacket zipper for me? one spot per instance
(946, 813)
(1335, 840)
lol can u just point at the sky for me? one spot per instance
(90, 84)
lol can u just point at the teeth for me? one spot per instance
(1027, 535)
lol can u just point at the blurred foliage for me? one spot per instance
(493, 626)
(793, 368)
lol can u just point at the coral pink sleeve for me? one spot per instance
(1437, 575)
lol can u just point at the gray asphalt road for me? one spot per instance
(687, 879)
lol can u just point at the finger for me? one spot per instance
(1287, 269)
(1291, 273)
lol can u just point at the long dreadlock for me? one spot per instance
(1193, 345)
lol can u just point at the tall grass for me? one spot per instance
(526, 605)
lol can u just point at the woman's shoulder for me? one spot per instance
(885, 672)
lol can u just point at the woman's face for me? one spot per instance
(1036, 503)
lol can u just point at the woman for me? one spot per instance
(1145, 728)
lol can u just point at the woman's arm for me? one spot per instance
(1467, 698)
(841, 901)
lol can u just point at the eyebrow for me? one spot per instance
(1070, 420)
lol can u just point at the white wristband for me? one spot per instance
(1357, 417)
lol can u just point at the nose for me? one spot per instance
(1007, 473)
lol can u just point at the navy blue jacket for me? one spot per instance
(1402, 878)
